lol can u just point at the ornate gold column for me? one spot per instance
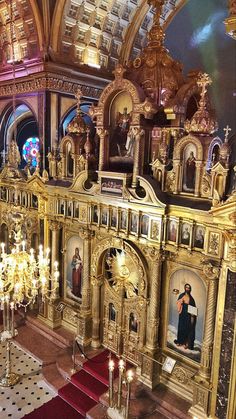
(150, 369)
(96, 339)
(84, 327)
(154, 304)
(176, 170)
(102, 133)
(139, 136)
(53, 316)
(201, 381)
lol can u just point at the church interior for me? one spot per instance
(117, 209)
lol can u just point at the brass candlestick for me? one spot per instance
(111, 366)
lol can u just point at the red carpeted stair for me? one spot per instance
(76, 398)
(54, 409)
(88, 384)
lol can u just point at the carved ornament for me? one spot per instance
(49, 83)
(211, 271)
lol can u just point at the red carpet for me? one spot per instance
(54, 409)
(88, 384)
(76, 398)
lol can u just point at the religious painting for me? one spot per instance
(76, 210)
(172, 231)
(104, 218)
(123, 220)
(185, 234)
(3, 193)
(112, 186)
(155, 229)
(199, 234)
(61, 207)
(189, 168)
(114, 217)
(133, 323)
(74, 268)
(34, 201)
(112, 312)
(69, 209)
(187, 302)
(94, 214)
(144, 225)
(134, 223)
(213, 243)
(121, 144)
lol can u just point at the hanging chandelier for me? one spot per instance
(23, 278)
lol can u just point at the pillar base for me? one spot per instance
(84, 330)
(197, 412)
(53, 319)
(114, 413)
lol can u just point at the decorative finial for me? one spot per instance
(13, 155)
(227, 131)
(78, 96)
(156, 35)
(202, 122)
(203, 81)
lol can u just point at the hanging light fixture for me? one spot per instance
(23, 277)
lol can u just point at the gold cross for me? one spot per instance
(78, 96)
(227, 131)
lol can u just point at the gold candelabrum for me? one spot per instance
(116, 410)
(23, 277)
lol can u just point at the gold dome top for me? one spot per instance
(202, 121)
(77, 125)
(155, 70)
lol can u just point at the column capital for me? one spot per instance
(96, 281)
(155, 254)
(54, 225)
(85, 233)
(210, 271)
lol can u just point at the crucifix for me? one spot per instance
(78, 96)
(227, 131)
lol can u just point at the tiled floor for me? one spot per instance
(31, 391)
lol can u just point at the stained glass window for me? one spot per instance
(30, 149)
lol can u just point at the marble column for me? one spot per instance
(96, 338)
(176, 170)
(198, 178)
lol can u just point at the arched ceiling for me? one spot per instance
(93, 32)
(25, 30)
(101, 32)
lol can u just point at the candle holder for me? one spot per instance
(119, 411)
(22, 278)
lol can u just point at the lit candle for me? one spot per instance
(3, 247)
(121, 370)
(12, 306)
(130, 377)
(111, 366)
